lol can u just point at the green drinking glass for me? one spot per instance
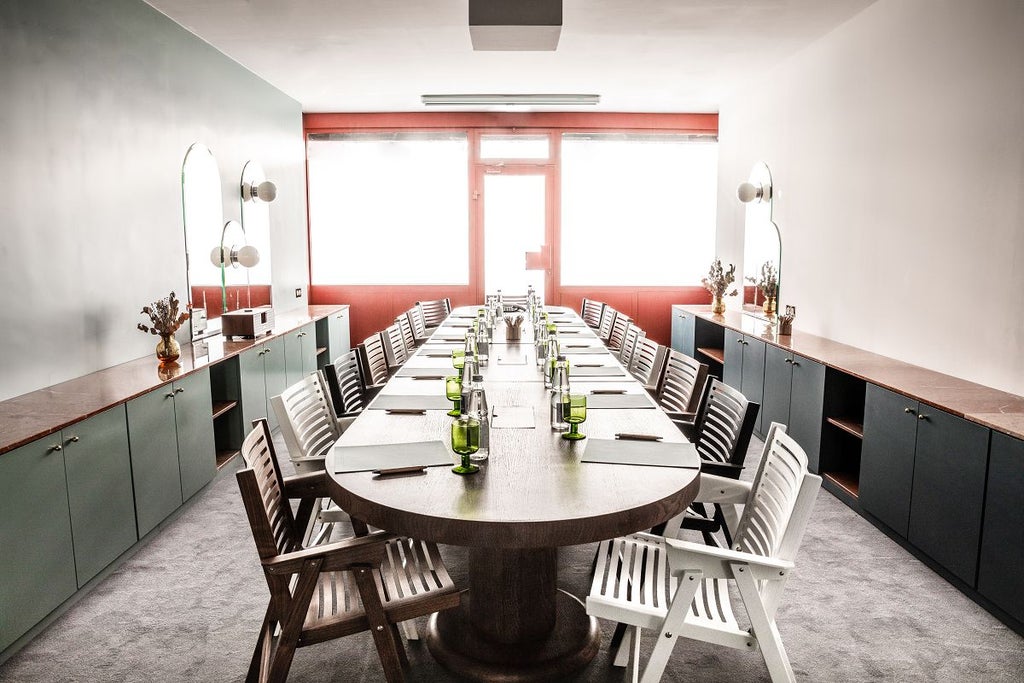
(465, 442)
(453, 392)
(458, 358)
(574, 411)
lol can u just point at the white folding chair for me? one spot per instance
(681, 589)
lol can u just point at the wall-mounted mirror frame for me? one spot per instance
(762, 241)
(203, 217)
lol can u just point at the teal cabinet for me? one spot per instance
(744, 367)
(794, 394)
(299, 354)
(333, 336)
(153, 441)
(1000, 578)
(262, 374)
(170, 432)
(37, 564)
(683, 331)
(99, 475)
(193, 417)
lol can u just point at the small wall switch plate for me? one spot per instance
(298, 292)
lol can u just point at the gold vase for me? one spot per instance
(167, 349)
(718, 306)
(769, 306)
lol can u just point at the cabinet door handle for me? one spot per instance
(56, 447)
(179, 390)
(169, 395)
(908, 411)
(739, 341)
(922, 417)
(788, 360)
(795, 363)
(73, 439)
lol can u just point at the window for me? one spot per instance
(637, 210)
(524, 147)
(389, 208)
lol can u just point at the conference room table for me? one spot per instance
(533, 495)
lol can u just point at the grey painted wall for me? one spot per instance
(99, 101)
(896, 145)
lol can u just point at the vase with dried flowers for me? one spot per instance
(768, 284)
(717, 282)
(165, 320)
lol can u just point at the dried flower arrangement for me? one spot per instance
(164, 316)
(768, 282)
(719, 279)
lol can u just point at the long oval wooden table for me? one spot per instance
(532, 496)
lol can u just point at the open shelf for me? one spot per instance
(224, 457)
(221, 407)
(848, 481)
(717, 355)
(849, 426)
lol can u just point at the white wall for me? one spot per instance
(896, 145)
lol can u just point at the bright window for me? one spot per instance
(637, 210)
(389, 208)
(524, 147)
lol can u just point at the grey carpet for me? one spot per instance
(187, 607)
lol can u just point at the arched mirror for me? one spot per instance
(203, 215)
(256, 195)
(762, 247)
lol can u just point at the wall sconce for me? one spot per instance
(749, 192)
(234, 252)
(266, 191)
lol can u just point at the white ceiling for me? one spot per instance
(381, 55)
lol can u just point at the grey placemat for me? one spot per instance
(448, 337)
(400, 402)
(513, 417)
(654, 453)
(384, 456)
(406, 371)
(434, 353)
(606, 371)
(583, 351)
(598, 401)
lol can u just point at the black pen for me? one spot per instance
(401, 470)
(406, 411)
(637, 437)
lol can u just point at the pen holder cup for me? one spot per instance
(513, 330)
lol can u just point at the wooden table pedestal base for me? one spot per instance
(571, 645)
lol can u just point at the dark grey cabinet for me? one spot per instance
(299, 354)
(1001, 564)
(102, 504)
(887, 456)
(949, 490)
(262, 375)
(922, 473)
(793, 395)
(170, 432)
(339, 339)
(683, 331)
(37, 566)
(744, 367)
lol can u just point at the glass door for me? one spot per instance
(515, 194)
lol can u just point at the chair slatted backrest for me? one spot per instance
(408, 338)
(345, 384)
(394, 346)
(648, 363)
(373, 361)
(618, 334)
(724, 424)
(591, 311)
(262, 487)
(604, 328)
(306, 415)
(419, 327)
(434, 312)
(763, 528)
(629, 341)
(683, 382)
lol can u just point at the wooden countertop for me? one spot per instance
(993, 408)
(33, 415)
